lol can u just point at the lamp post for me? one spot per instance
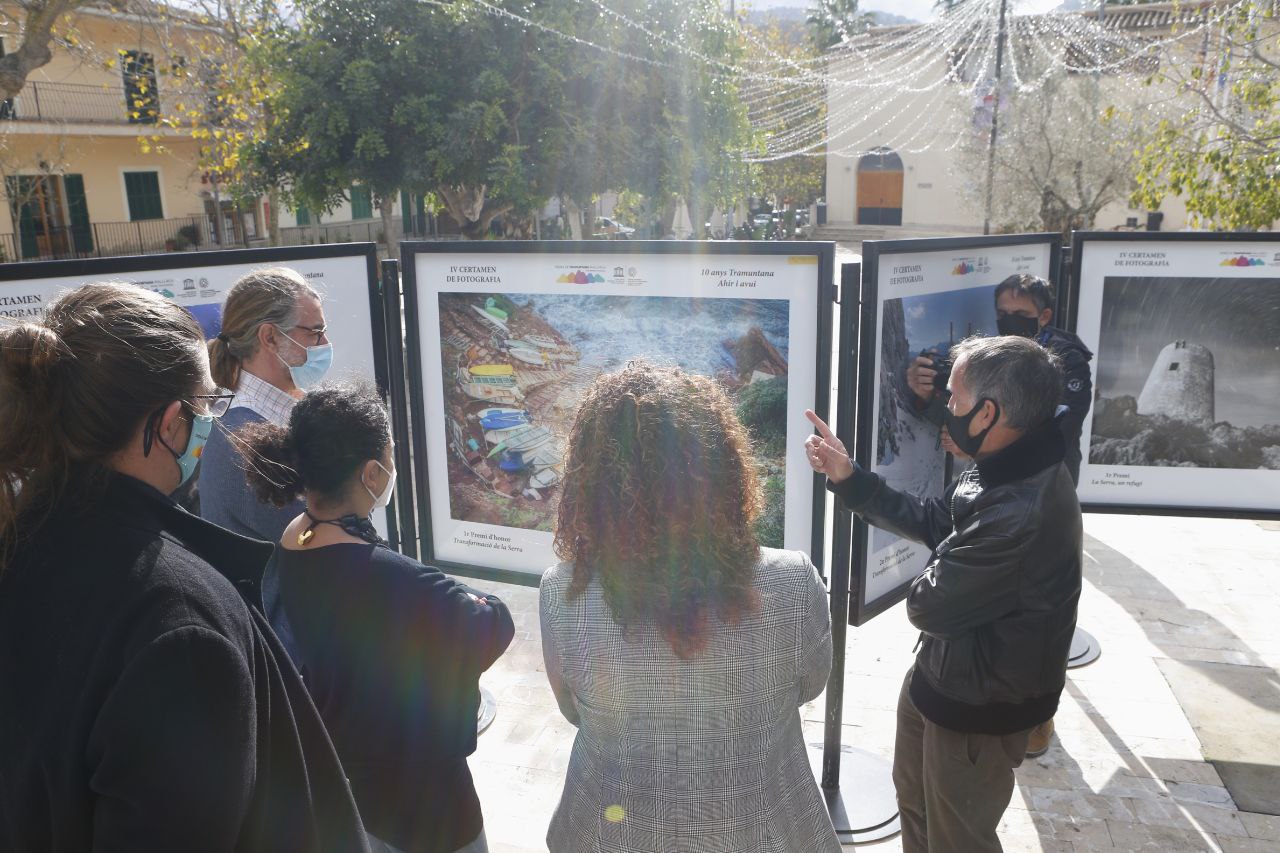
(995, 117)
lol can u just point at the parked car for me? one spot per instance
(762, 220)
(611, 230)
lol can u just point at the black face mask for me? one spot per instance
(1015, 324)
(958, 427)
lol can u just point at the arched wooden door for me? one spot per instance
(880, 188)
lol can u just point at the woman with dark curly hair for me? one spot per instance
(391, 649)
(679, 647)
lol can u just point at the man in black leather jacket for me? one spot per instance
(996, 605)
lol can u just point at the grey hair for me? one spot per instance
(1035, 288)
(267, 295)
(1024, 378)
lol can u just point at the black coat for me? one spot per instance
(997, 603)
(392, 652)
(143, 704)
(1077, 389)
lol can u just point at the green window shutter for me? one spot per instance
(304, 215)
(78, 208)
(361, 203)
(19, 188)
(141, 96)
(143, 192)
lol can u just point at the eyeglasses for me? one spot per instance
(317, 331)
(215, 405)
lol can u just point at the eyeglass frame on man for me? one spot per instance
(321, 333)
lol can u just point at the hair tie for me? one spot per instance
(223, 338)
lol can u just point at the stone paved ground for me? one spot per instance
(1127, 772)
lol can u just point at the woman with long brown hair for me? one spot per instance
(679, 647)
(144, 704)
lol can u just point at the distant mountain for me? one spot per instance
(762, 12)
(888, 19)
(777, 14)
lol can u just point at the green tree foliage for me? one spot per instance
(493, 116)
(801, 179)
(832, 21)
(1222, 154)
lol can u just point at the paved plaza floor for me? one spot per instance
(1127, 771)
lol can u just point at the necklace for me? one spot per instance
(361, 528)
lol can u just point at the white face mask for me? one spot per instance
(381, 501)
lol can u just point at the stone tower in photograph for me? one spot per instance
(1181, 384)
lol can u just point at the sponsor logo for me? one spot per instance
(965, 266)
(1242, 261)
(581, 277)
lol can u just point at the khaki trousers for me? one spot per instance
(952, 787)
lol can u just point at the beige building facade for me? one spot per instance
(78, 182)
(892, 193)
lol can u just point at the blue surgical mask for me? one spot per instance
(311, 371)
(201, 426)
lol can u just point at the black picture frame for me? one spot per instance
(1080, 241)
(106, 268)
(862, 611)
(825, 253)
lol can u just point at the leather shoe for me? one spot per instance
(1038, 742)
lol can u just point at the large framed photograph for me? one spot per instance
(346, 276)
(918, 297)
(1186, 332)
(505, 338)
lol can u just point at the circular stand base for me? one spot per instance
(488, 710)
(865, 807)
(1084, 649)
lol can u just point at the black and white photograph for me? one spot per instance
(1188, 373)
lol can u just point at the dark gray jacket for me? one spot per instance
(997, 604)
(145, 704)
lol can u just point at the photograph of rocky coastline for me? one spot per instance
(908, 452)
(1188, 373)
(515, 367)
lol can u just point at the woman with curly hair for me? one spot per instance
(679, 647)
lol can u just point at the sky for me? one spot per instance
(934, 318)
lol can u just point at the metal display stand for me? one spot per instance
(1085, 649)
(857, 785)
(399, 398)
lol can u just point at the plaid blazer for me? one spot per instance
(697, 756)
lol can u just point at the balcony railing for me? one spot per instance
(111, 239)
(76, 102)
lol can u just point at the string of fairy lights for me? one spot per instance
(908, 88)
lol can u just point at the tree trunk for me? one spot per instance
(470, 208)
(574, 213)
(668, 214)
(386, 210)
(33, 52)
(273, 216)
